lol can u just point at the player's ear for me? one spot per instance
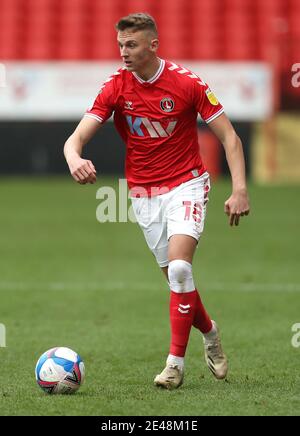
(154, 45)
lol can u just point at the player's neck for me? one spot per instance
(150, 70)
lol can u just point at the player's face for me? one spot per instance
(137, 49)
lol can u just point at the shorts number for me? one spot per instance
(197, 211)
(187, 205)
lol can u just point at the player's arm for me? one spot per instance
(82, 170)
(237, 204)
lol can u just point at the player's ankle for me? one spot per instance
(212, 333)
(175, 360)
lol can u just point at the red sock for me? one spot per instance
(201, 319)
(182, 310)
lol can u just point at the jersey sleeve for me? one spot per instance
(104, 104)
(206, 102)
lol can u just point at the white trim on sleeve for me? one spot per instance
(95, 117)
(213, 117)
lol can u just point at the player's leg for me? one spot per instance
(180, 253)
(184, 304)
(182, 307)
(149, 215)
(182, 247)
(165, 272)
(201, 317)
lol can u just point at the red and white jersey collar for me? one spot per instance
(156, 75)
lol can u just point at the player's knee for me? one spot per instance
(180, 276)
(178, 270)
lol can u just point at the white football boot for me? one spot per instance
(214, 356)
(170, 378)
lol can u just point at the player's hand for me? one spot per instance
(236, 206)
(82, 170)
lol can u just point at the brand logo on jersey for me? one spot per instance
(167, 104)
(128, 105)
(211, 97)
(154, 128)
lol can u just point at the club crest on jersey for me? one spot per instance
(211, 97)
(167, 104)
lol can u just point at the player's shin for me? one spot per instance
(182, 308)
(201, 319)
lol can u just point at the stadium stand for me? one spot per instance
(197, 30)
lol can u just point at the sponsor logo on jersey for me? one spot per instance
(154, 128)
(211, 97)
(167, 104)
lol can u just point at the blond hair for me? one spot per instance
(136, 22)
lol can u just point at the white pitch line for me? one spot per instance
(136, 286)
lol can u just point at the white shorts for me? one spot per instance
(179, 211)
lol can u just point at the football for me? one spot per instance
(60, 371)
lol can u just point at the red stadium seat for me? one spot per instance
(104, 44)
(170, 7)
(69, 6)
(207, 50)
(294, 5)
(234, 37)
(242, 6)
(271, 6)
(239, 51)
(114, 9)
(73, 30)
(172, 16)
(41, 6)
(204, 7)
(295, 52)
(12, 6)
(100, 52)
(230, 30)
(41, 50)
(206, 39)
(174, 50)
(104, 37)
(173, 28)
(200, 29)
(11, 39)
(103, 34)
(148, 6)
(294, 24)
(11, 49)
(72, 49)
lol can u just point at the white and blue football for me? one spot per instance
(60, 371)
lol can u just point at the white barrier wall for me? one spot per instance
(63, 90)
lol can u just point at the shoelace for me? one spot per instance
(173, 368)
(214, 349)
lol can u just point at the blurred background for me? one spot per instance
(56, 53)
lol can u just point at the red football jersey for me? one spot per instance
(157, 119)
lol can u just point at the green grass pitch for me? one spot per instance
(67, 280)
